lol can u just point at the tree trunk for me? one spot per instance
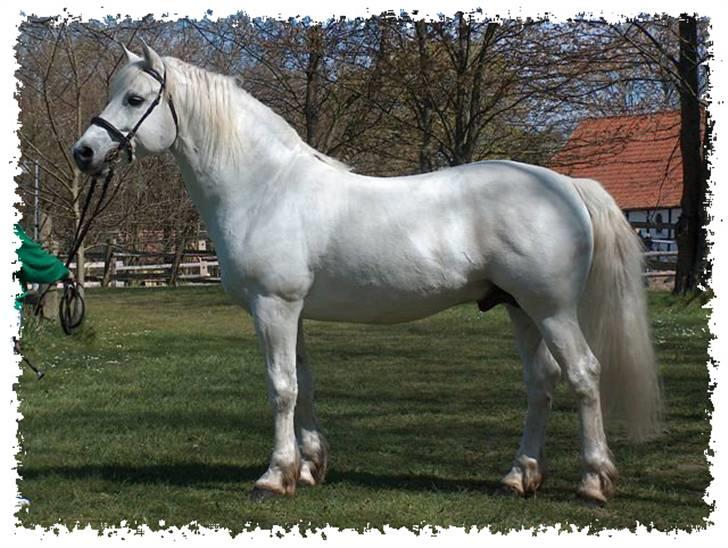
(49, 306)
(424, 106)
(460, 154)
(81, 253)
(108, 264)
(690, 228)
(178, 254)
(313, 77)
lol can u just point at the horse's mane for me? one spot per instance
(214, 100)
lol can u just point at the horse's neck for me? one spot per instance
(229, 152)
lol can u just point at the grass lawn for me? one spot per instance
(157, 410)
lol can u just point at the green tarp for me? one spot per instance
(36, 264)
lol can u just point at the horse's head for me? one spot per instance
(138, 119)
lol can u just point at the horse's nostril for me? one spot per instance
(83, 155)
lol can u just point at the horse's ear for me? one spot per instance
(152, 59)
(131, 57)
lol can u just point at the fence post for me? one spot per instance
(108, 264)
(178, 253)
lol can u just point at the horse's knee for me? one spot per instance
(283, 399)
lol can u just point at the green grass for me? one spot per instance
(157, 411)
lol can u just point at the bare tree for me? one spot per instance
(691, 232)
(321, 77)
(56, 70)
(670, 53)
(476, 88)
(65, 70)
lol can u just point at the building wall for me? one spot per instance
(658, 239)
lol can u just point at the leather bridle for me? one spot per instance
(125, 140)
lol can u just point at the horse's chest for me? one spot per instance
(247, 273)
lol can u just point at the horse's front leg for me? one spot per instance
(276, 323)
(314, 449)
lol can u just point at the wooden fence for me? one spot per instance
(122, 269)
(660, 264)
(194, 267)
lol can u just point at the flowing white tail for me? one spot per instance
(613, 314)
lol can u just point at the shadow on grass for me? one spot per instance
(410, 482)
(225, 477)
(183, 474)
(190, 474)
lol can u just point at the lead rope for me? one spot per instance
(72, 308)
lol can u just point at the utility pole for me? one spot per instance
(36, 202)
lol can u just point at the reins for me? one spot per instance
(71, 308)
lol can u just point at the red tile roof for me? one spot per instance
(636, 158)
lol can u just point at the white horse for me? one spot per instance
(299, 236)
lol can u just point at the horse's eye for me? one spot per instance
(135, 100)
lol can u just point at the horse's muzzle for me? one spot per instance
(91, 162)
(83, 155)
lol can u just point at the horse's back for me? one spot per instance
(407, 247)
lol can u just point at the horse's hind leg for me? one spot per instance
(312, 443)
(565, 340)
(541, 373)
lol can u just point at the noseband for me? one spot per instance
(125, 140)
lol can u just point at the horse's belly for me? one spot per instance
(385, 304)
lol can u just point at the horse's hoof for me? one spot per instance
(524, 478)
(593, 498)
(306, 476)
(592, 502)
(597, 487)
(258, 494)
(505, 490)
